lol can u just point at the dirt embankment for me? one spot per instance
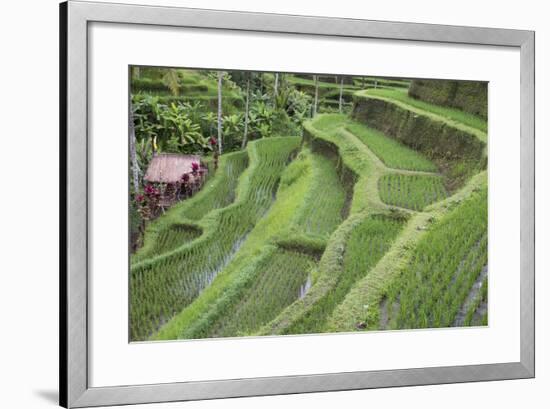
(468, 96)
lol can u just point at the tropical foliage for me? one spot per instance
(309, 217)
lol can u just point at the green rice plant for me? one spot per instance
(162, 286)
(285, 233)
(393, 153)
(325, 198)
(219, 191)
(445, 264)
(472, 318)
(279, 281)
(223, 189)
(175, 236)
(367, 243)
(411, 191)
(453, 114)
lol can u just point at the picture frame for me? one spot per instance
(75, 389)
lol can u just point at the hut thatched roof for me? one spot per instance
(169, 167)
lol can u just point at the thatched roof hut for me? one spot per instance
(169, 167)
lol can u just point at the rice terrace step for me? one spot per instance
(316, 203)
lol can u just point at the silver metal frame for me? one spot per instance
(74, 18)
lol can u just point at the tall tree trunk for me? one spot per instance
(246, 105)
(220, 79)
(275, 87)
(133, 154)
(341, 92)
(316, 99)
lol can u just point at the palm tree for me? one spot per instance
(246, 107)
(220, 79)
(316, 99)
(172, 81)
(341, 92)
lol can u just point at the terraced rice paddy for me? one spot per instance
(343, 229)
(366, 244)
(176, 227)
(325, 209)
(413, 192)
(221, 191)
(392, 153)
(442, 270)
(175, 236)
(280, 278)
(162, 286)
(446, 112)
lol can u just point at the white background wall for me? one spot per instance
(29, 202)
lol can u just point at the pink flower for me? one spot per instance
(213, 141)
(150, 190)
(139, 198)
(185, 177)
(195, 166)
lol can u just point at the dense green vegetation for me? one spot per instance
(392, 153)
(473, 316)
(443, 268)
(468, 96)
(219, 192)
(163, 285)
(446, 112)
(284, 227)
(369, 213)
(366, 245)
(280, 280)
(413, 192)
(325, 207)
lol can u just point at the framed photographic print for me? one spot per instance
(258, 204)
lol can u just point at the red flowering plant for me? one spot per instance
(185, 188)
(213, 143)
(148, 201)
(194, 167)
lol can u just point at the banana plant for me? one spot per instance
(232, 126)
(182, 130)
(209, 122)
(194, 110)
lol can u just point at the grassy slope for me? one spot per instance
(193, 85)
(191, 268)
(413, 192)
(456, 118)
(443, 267)
(289, 217)
(381, 82)
(322, 84)
(366, 244)
(358, 159)
(219, 192)
(336, 130)
(391, 152)
(370, 290)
